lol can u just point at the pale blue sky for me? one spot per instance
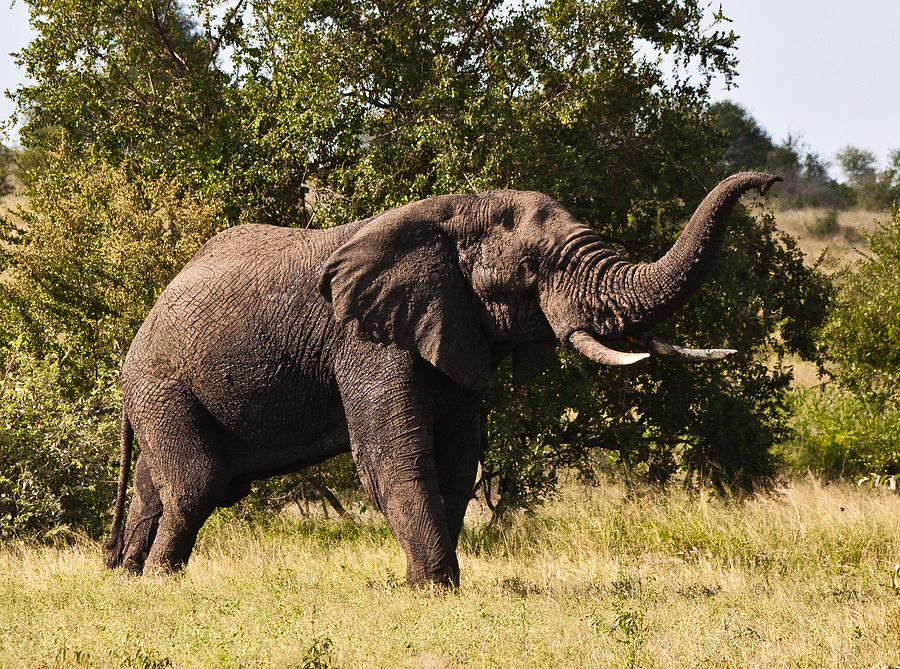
(824, 69)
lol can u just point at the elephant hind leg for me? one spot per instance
(176, 536)
(188, 465)
(143, 519)
(186, 504)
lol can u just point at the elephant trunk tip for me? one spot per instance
(759, 180)
(774, 179)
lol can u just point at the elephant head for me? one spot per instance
(464, 279)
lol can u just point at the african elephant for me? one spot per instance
(277, 348)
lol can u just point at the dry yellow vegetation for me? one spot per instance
(840, 233)
(838, 240)
(604, 576)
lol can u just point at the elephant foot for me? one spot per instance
(163, 568)
(133, 565)
(446, 578)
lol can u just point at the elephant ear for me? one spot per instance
(399, 279)
(530, 359)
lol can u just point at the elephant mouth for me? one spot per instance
(587, 345)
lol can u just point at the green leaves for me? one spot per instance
(57, 467)
(97, 248)
(863, 330)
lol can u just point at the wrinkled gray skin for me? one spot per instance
(277, 348)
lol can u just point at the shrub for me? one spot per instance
(96, 248)
(853, 426)
(842, 433)
(863, 328)
(58, 461)
(825, 225)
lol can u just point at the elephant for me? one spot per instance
(276, 348)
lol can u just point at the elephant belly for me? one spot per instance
(263, 461)
(276, 418)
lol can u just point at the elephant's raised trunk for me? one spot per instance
(652, 292)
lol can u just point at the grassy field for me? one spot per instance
(840, 233)
(835, 237)
(797, 578)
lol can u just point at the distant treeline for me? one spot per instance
(805, 173)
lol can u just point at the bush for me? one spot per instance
(96, 248)
(842, 433)
(852, 427)
(58, 461)
(825, 225)
(863, 328)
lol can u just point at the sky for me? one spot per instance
(826, 70)
(14, 34)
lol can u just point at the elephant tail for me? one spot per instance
(112, 549)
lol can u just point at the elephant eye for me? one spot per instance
(528, 262)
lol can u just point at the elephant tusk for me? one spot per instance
(593, 349)
(668, 350)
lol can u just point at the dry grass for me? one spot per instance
(843, 244)
(599, 578)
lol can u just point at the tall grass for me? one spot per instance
(605, 576)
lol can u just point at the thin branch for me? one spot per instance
(229, 17)
(473, 30)
(330, 497)
(165, 40)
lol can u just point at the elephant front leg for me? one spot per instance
(402, 481)
(391, 439)
(457, 447)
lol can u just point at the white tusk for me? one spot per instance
(668, 350)
(593, 349)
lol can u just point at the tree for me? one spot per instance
(875, 190)
(332, 110)
(858, 164)
(747, 145)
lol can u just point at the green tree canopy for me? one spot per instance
(747, 144)
(857, 164)
(875, 189)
